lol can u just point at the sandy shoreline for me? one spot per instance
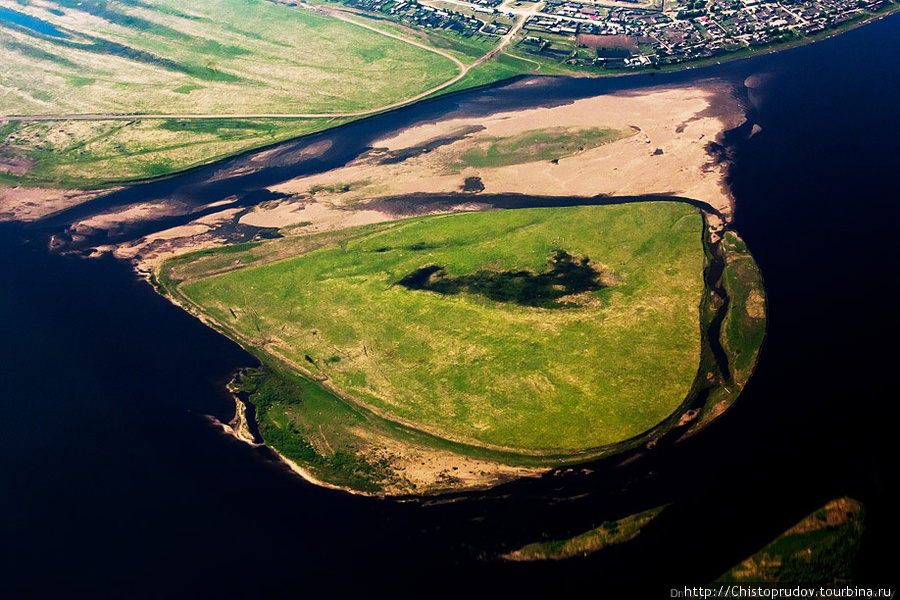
(238, 432)
(27, 204)
(668, 155)
(424, 469)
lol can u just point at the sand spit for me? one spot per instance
(30, 204)
(236, 432)
(669, 153)
(134, 213)
(420, 469)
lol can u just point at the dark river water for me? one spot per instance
(115, 482)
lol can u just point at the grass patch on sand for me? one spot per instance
(466, 367)
(553, 143)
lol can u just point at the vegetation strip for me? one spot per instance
(607, 534)
(822, 549)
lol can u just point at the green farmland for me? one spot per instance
(598, 367)
(223, 57)
(216, 57)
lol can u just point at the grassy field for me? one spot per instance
(158, 56)
(501, 67)
(216, 57)
(466, 367)
(466, 49)
(220, 57)
(822, 549)
(93, 154)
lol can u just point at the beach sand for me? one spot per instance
(26, 204)
(668, 154)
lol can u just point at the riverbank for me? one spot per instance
(26, 204)
(89, 149)
(667, 151)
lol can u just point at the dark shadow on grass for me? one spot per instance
(567, 275)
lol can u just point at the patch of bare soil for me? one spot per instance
(30, 204)
(16, 165)
(756, 305)
(428, 470)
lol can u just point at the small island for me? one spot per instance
(823, 549)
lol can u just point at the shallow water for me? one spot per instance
(29, 22)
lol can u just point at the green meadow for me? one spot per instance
(480, 363)
(96, 154)
(222, 57)
(551, 143)
(215, 57)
